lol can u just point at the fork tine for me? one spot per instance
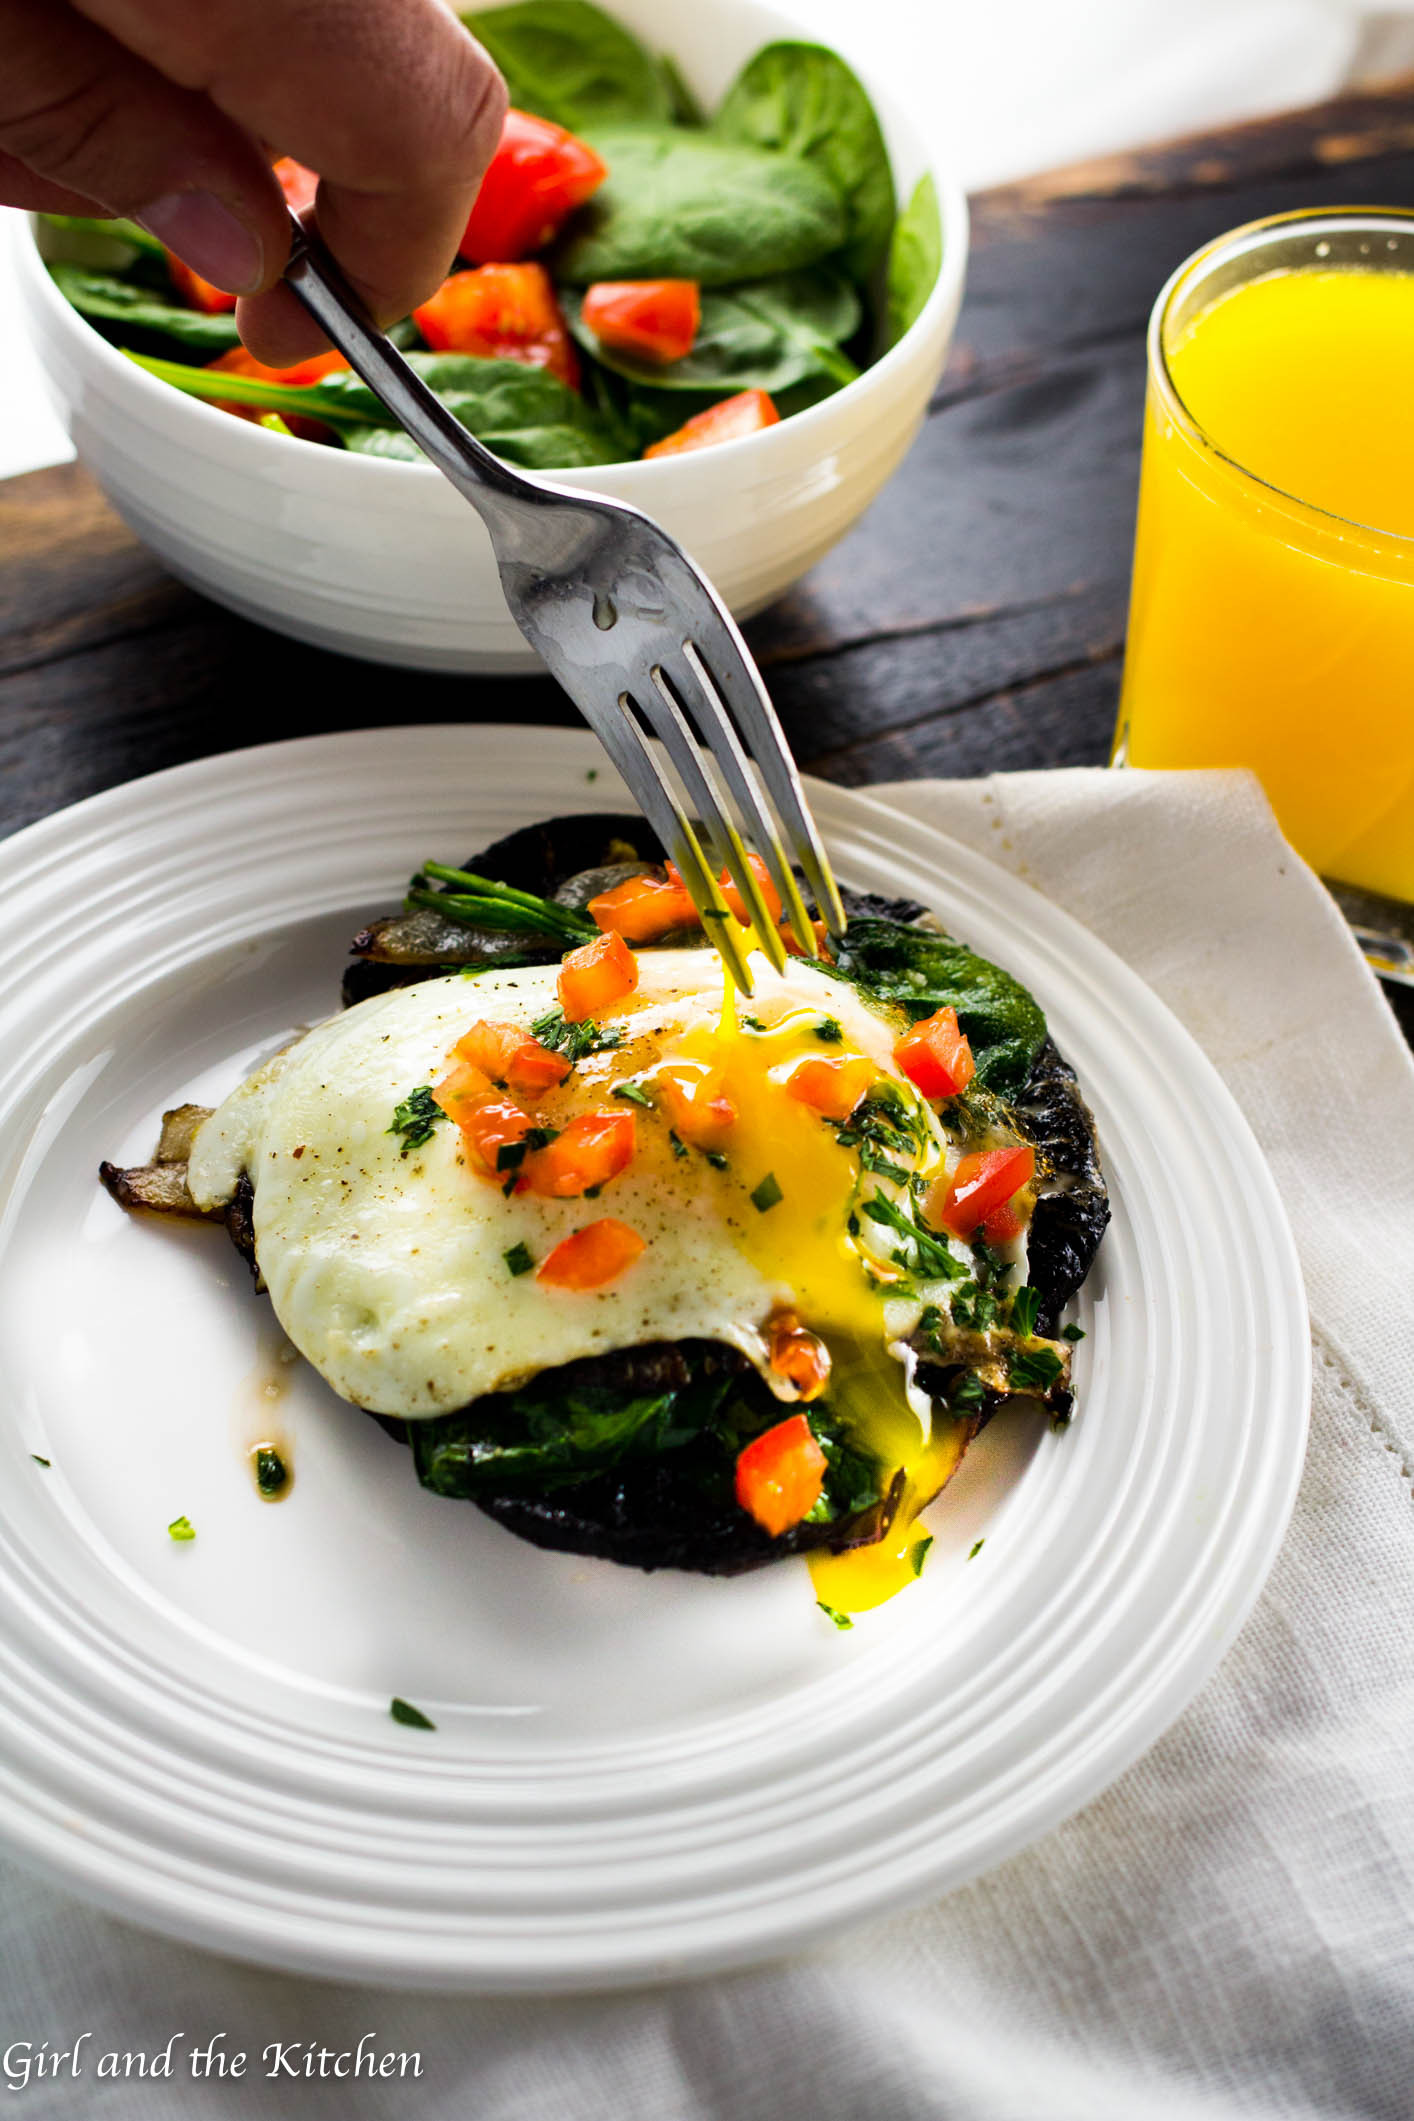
(646, 781)
(724, 746)
(664, 709)
(730, 670)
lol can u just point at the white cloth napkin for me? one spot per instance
(1227, 1932)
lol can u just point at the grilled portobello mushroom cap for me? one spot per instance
(631, 1456)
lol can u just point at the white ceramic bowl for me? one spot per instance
(385, 560)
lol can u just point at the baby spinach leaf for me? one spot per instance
(688, 205)
(566, 60)
(915, 259)
(101, 246)
(524, 414)
(802, 100)
(921, 971)
(106, 300)
(686, 110)
(762, 335)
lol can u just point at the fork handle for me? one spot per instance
(337, 310)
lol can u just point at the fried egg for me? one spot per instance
(408, 1275)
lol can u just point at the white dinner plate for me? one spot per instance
(631, 1776)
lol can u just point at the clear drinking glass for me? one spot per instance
(1272, 612)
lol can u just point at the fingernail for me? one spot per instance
(206, 235)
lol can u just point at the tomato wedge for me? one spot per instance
(501, 313)
(597, 1254)
(592, 1149)
(780, 1476)
(509, 1055)
(982, 1183)
(596, 976)
(832, 1087)
(538, 175)
(313, 370)
(196, 292)
(297, 183)
(655, 319)
(936, 1056)
(745, 414)
(799, 1355)
(642, 908)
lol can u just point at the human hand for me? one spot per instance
(170, 111)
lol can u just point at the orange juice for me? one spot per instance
(1272, 615)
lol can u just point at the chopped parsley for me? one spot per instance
(718, 1159)
(881, 1128)
(829, 1030)
(968, 1395)
(38, 1460)
(767, 1195)
(519, 1259)
(511, 1155)
(271, 1473)
(181, 1528)
(973, 1307)
(918, 1554)
(1024, 1306)
(753, 1023)
(924, 1253)
(415, 1118)
(403, 1712)
(575, 1041)
(633, 1094)
(834, 1615)
(989, 1266)
(678, 1145)
(1072, 1332)
(977, 1550)
(1034, 1369)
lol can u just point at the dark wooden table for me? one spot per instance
(974, 620)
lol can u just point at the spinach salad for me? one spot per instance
(637, 275)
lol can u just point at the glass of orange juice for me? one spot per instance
(1271, 620)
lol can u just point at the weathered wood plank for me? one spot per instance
(974, 619)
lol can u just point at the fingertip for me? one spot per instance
(278, 329)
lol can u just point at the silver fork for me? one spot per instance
(638, 638)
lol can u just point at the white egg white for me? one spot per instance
(388, 1270)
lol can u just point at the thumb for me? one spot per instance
(84, 119)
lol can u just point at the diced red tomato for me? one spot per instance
(780, 1476)
(822, 937)
(597, 1254)
(509, 1055)
(501, 313)
(297, 183)
(936, 1056)
(832, 1087)
(1003, 1224)
(745, 414)
(535, 1069)
(488, 1121)
(642, 908)
(538, 175)
(196, 292)
(593, 1148)
(799, 1355)
(981, 1184)
(655, 319)
(768, 890)
(596, 976)
(696, 1112)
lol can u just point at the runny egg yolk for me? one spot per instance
(806, 1236)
